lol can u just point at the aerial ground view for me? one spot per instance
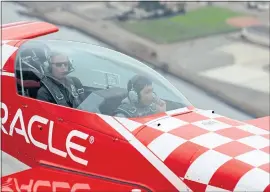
(196, 23)
(216, 54)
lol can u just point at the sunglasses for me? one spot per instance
(61, 64)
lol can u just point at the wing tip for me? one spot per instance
(20, 30)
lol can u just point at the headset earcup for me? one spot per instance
(133, 96)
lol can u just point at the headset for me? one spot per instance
(52, 54)
(132, 94)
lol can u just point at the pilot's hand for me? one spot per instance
(161, 106)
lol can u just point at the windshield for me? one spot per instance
(95, 79)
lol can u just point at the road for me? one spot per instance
(199, 98)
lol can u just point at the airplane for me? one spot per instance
(89, 148)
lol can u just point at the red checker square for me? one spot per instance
(267, 189)
(265, 167)
(195, 186)
(180, 160)
(267, 136)
(262, 123)
(148, 134)
(229, 121)
(232, 171)
(2, 113)
(146, 119)
(233, 148)
(234, 133)
(191, 117)
(188, 131)
(266, 149)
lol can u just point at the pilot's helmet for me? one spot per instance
(35, 55)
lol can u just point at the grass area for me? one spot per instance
(197, 23)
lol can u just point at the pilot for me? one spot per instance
(57, 87)
(141, 100)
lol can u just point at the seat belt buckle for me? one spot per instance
(80, 91)
(60, 97)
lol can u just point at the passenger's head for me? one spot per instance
(59, 65)
(142, 86)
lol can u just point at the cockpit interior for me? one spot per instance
(102, 72)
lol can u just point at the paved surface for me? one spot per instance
(221, 58)
(246, 69)
(260, 30)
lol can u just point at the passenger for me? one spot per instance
(57, 87)
(141, 100)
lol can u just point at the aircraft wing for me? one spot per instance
(26, 30)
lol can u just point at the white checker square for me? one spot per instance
(175, 111)
(167, 124)
(254, 180)
(129, 124)
(211, 140)
(207, 113)
(165, 144)
(252, 129)
(255, 158)
(215, 189)
(7, 51)
(204, 167)
(155, 120)
(256, 141)
(211, 124)
(5, 42)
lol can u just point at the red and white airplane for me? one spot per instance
(89, 149)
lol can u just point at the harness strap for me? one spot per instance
(54, 91)
(79, 87)
(76, 91)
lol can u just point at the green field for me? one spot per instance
(197, 23)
